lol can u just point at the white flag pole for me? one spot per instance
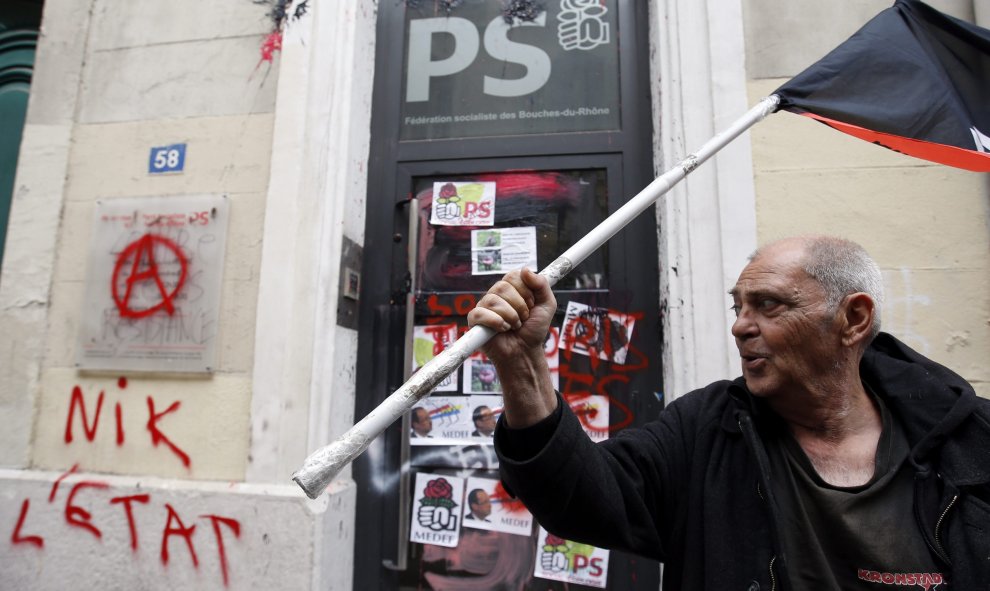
(324, 464)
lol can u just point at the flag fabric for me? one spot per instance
(912, 79)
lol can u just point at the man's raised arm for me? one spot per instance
(519, 308)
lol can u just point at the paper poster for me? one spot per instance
(563, 560)
(485, 411)
(592, 412)
(597, 332)
(500, 250)
(436, 513)
(463, 204)
(153, 282)
(480, 377)
(440, 420)
(485, 507)
(551, 348)
(428, 342)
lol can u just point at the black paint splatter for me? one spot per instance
(524, 10)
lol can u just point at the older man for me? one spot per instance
(841, 459)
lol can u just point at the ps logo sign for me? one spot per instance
(421, 68)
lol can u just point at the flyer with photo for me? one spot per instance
(485, 411)
(436, 511)
(463, 204)
(597, 332)
(480, 376)
(563, 560)
(428, 342)
(486, 507)
(499, 250)
(592, 412)
(440, 420)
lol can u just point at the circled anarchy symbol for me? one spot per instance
(142, 253)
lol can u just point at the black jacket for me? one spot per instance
(692, 488)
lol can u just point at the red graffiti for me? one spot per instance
(464, 303)
(159, 437)
(441, 340)
(76, 516)
(181, 530)
(144, 267)
(58, 481)
(575, 386)
(78, 401)
(235, 527)
(120, 424)
(126, 501)
(16, 537)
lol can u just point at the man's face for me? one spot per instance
(421, 421)
(483, 507)
(788, 342)
(485, 423)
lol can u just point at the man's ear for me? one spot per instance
(856, 314)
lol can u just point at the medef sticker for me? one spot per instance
(597, 332)
(563, 560)
(440, 420)
(592, 411)
(485, 411)
(463, 204)
(488, 507)
(437, 510)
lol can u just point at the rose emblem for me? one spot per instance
(438, 489)
(439, 493)
(555, 541)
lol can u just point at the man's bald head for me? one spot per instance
(840, 266)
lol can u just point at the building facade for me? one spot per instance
(149, 449)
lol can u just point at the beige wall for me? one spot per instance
(154, 74)
(111, 81)
(927, 225)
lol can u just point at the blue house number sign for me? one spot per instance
(167, 159)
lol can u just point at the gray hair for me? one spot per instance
(842, 267)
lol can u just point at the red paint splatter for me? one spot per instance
(16, 537)
(271, 44)
(126, 501)
(157, 436)
(235, 527)
(509, 503)
(181, 530)
(122, 382)
(142, 254)
(75, 515)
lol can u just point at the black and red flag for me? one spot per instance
(912, 79)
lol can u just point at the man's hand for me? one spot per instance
(519, 309)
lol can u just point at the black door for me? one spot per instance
(519, 194)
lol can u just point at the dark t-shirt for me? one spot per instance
(851, 538)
